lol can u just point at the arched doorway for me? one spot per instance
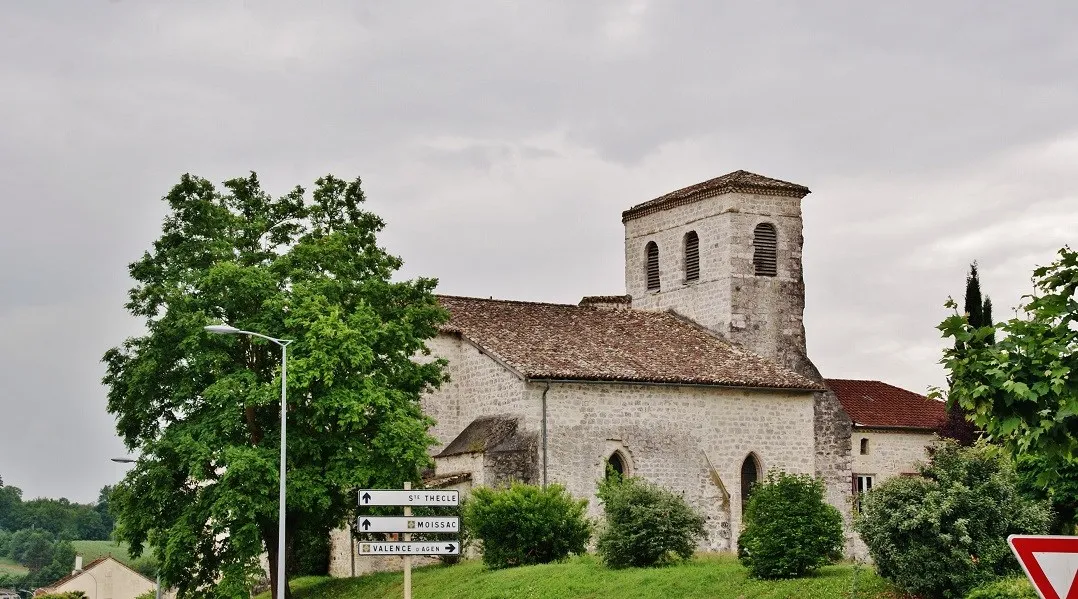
(615, 464)
(750, 474)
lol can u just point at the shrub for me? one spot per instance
(788, 529)
(645, 524)
(944, 533)
(1006, 588)
(526, 524)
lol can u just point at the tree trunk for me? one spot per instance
(269, 537)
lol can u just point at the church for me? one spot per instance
(696, 378)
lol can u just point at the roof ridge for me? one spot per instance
(507, 301)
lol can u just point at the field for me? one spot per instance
(8, 566)
(584, 577)
(91, 550)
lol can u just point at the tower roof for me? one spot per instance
(737, 181)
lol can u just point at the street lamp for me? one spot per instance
(157, 593)
(224, 329)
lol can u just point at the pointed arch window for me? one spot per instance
(615, 464)
(692, 256)
(750, 475)
(765, 250)
(652, 272)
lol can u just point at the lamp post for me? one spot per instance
(157, 593)
(224, 329)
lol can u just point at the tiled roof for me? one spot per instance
(877, 404)
(737, 181)
(566, 342)
(85, 567)
(482, 435)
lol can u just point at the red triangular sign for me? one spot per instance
(1051, 562)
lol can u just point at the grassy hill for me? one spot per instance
(584, 577)
(91, 550)
(8, 566)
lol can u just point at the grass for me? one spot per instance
(91, 550)
(708, 576)
(8, 566)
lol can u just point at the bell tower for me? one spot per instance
(725, 253)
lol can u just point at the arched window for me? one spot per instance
(652, 272)
(692, 256)
(615, 464)
(750, 473)
(765, 250)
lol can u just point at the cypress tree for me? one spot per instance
(979, 314)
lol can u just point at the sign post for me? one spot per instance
(408, 557)
(409, 525)
(1050, 562)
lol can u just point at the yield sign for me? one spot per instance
(1051, 562)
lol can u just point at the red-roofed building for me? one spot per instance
(891, 429)
(697, 378)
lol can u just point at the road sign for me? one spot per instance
(436, 497)
(408, 524)
(410, 548)
(1050, 562)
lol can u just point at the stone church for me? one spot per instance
(697, 378)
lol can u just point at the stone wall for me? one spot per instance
(665, 432)
(478, 386)
(890, 453)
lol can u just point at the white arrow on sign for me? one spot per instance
(412, 548)
(1051, 562)
(408, 524)
(428, 497)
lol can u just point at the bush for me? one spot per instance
(526, 524)
(645, 524)
(945, 533)
(788, 529)
(1007, 588)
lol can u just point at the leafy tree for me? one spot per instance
(943, 533)
(102, 508)
(10, 507)
(1023, 389)
(979, 314)
(524, 525)
(203, 410)
(789, 529)
(645, 524)
(32, 548)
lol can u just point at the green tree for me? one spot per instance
(203, 410)
(523, 525)
(978, 312)
(645, 524)
(1023, 389)
(789, 529)
(10, 507)
(102, 508)
(945, 532)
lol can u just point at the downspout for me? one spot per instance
(544, 432)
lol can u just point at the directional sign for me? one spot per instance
(408, 524)
(1050, 562)
(420, 497)
(410, 548)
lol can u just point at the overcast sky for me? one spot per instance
(502, 141)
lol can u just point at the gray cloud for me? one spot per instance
(501, 143)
